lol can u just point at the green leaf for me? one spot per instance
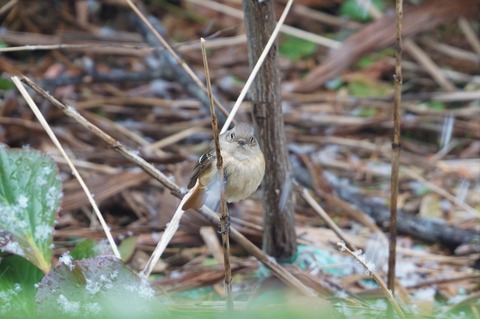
(354, 9)
(334, 84)
(367, 112)
(127, 247)
(296, 48)
(85, 249)
(94, 287)
(369, 88)
(422, 191)
(366, 61)
(6, 84)
(30, 193)
(18, 278)
(209, 262)
(437, 105)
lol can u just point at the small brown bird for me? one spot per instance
(243, 164)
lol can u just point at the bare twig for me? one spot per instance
(223, 199)
(422, 58)
(442, 192)
(371, 271)
(52, 136)
(210, 238)
(166, 238)
(172, 139)
(7, 6)
(325, 18)
(469, 34)
(453, 52)
(397, 85)
(49, 43)
(321, 212)
(443, 281)
(46, 47)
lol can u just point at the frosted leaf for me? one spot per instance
(43, 232)
(7, 297)
(92, 309)
(92, 287)
(67, 306)
(47, 170)
(67, 260)
(23, 201)
(101, 285)
(14, 248)
(30, 193)
(145, 290)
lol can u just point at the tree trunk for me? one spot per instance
(279, 239)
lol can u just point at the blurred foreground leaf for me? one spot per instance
(18, 278)
(296, 48)
(30, 193)
(92, 287)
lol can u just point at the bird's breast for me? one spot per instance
(243, 176)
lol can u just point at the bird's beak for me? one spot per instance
(241, 142)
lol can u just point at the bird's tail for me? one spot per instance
(197, 195)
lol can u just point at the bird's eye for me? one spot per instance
(232, 136)
(252, 140)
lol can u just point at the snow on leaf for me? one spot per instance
(28, 208)
(100, 285)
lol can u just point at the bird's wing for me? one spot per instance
(205, 161)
